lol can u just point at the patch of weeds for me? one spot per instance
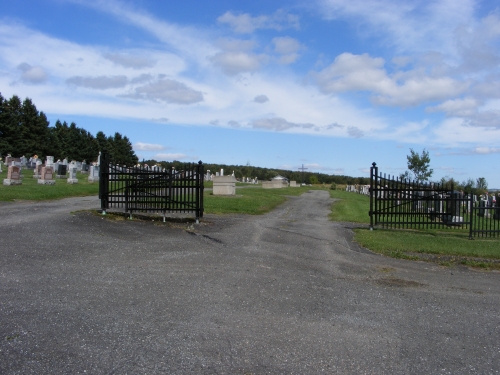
(387, 270)
(402, 255)
(13, 337)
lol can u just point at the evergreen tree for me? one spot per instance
(34, 134)
(10, 126)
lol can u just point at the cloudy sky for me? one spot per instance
(332, 85)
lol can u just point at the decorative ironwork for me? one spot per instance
(151, 189)
(397, 203)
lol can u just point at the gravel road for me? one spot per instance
(283, 293)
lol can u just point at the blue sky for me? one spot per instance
(332, 85)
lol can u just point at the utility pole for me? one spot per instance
(303, 169)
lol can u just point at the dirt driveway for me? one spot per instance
(284, 293)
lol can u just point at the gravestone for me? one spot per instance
(61, 170)
(72, 176)
(50, 161)
(94, 173)
(47, 176)
(24, 162)
(0, 166)
(85, 167)
(453, 203)
(13, 176)
(38, 169)
(79, 165)
(224, 185)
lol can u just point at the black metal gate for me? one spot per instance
(397, 203)
(151, 189)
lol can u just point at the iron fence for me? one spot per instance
(151, 189)
(400, 203)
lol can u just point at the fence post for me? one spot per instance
(372, 191)
(200, 188)
(471, 215)
(104, 180)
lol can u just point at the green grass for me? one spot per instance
(31, 190)
(444, 246)
(350, 207)
(249, 200)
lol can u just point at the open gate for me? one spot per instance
(151, 189)
(397, 203)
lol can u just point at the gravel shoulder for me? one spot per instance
(283, 293)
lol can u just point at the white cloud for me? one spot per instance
(363, 73)
(408, 26)
(288, 49)
(277, 124)
(246, 24)
(129, 60)
(166, 90)
(235, 45)
(99, 83)
(261, 99)
(487, 150)
(355, 132)
(161, 120)
(457, 107)
(32, 74)
(286, 45)
(140, 146)
(233, 63)
(234, 124)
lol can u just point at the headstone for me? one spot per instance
(24, 162)
(224, 185)
(72, 176)
(38, 170)
(61, 170)
(47, 176)
(65, 161)
(497, 208)
(453, 203)
(85, 167)
(0, 166)
(50, 161)
(79, 165)
(94, 173)
(13, 176)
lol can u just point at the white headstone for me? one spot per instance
(72, 176)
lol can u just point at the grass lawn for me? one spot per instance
(31, 190)
(445, 246)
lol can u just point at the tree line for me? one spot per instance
(25, 131)
(268, 173)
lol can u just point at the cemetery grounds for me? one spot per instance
(447, 247)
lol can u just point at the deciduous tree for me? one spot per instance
(419, 165)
